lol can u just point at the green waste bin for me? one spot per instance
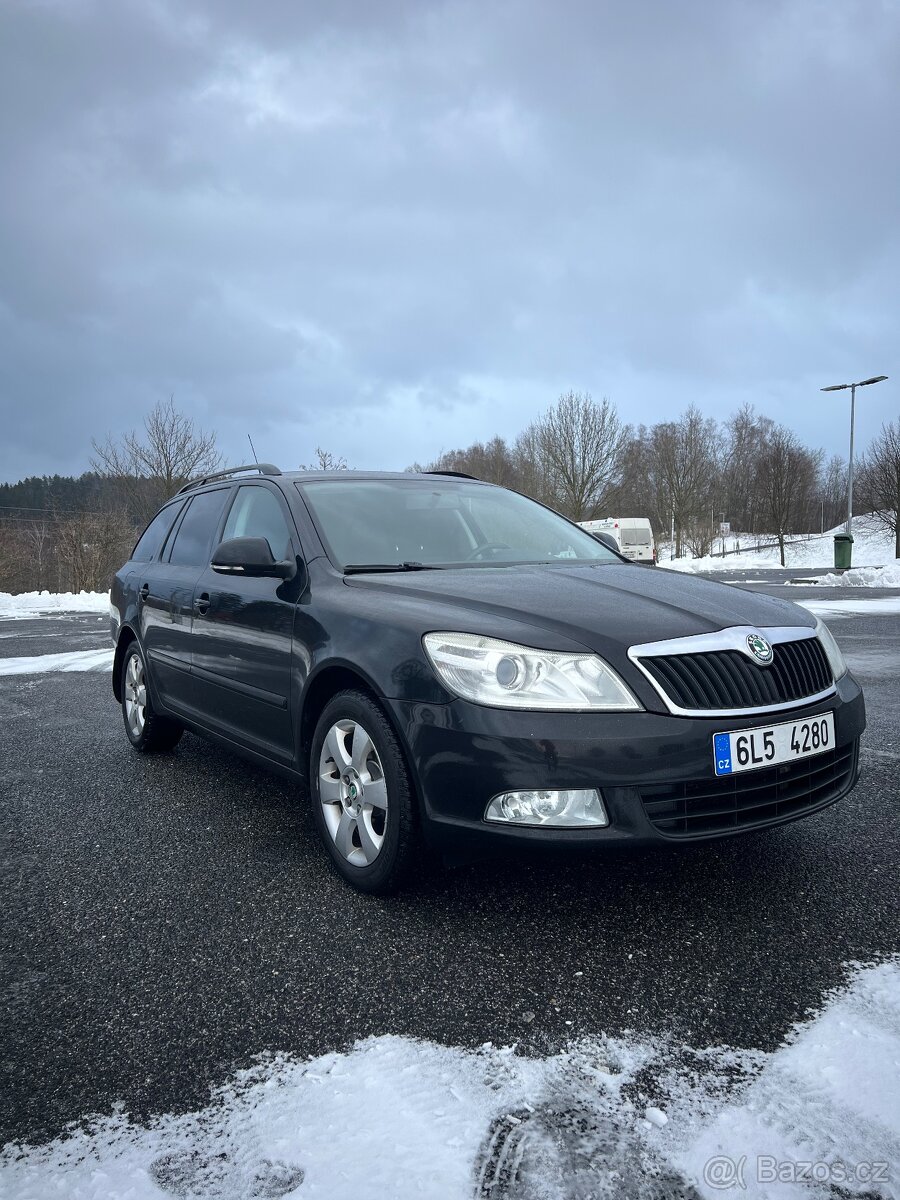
(843, 550)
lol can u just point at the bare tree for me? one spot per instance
(325, 461)
(880, 480)
(580, 445)
(530, 470)
(699, 536)
(634, 495)
(14, 575)
(684, 465)
(90, 547)
(569, 458)
(36, 536)
(833, 493)
(746, 434)
(788, 476)
(151, 464)
(491, 461)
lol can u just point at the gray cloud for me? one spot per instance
(392, 228)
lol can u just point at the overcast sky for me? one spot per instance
(392, 228)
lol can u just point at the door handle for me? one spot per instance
(145, 591)
(202, 603)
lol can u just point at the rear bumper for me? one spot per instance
(645, 764)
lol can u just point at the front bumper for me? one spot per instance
(462, 754)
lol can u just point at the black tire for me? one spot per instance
(147, 730)
(394, 824)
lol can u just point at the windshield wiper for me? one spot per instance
(360, 568)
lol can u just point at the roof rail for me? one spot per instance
(262, 468)
(455, 474)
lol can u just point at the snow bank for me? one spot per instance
(34, 604)
(608, 1117)
(876, 606)
(762, 559)
(873, 577)
(73, 660)
(873, 546)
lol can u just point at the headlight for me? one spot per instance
(505, 675)
(831, 648)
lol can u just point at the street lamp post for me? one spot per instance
(843, 387)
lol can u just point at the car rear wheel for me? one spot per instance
(362, 794)
(147, 730)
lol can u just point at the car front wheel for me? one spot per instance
(147, 730)
(362, 794)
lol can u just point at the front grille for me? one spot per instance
(724, 679)
(700, 807)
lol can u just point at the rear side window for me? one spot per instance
(193, 541)
(152, 538)
(257, 513)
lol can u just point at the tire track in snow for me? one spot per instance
(606, 1118)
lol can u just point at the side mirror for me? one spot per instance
(607, 540)
(249, 556)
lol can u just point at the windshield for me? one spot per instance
(439, 523)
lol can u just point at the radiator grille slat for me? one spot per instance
(801, 669)
(721, 679)
(726, 679)
(788, 664)
(807, 664)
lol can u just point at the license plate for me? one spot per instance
(750, 749)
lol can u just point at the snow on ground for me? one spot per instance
(873, 546)
(863, 607)
(72, 660)
(34, 604)
(632, 1118)
(873, 577)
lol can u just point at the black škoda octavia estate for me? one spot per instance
(446, 660)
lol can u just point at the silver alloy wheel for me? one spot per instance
(135, 696)
(353, 792)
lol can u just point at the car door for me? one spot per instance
(243, 630)
(166, 596)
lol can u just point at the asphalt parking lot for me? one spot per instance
(167, 918)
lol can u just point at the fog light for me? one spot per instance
(562, 809)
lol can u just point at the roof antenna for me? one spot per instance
(253, 448)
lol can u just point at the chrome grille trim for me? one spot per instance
(732, 638)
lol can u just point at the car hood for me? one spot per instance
(596, 605)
